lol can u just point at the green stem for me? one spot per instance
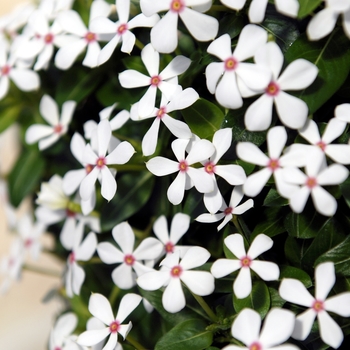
(94, 260)
(219, 8)
(237, 224)
(205, 307)
(135, 343)
(113, 296)
(42, 271)
(139, 44)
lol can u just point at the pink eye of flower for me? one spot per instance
(177, 6)
(88, 168)
(161, 112)
(311, 182)
(70, 213)
(228, 211)
(71, 258)
(176, 271)
(322, 145)
(273, 164)
(231, 64)
(48, 38)
(318, 305)
(58, 129)
(183, 166)
(114, 327)
(28, 242)
(255, 346)
(5, 70)
(57, 348)
(90, 37)
(209, 167)
(101, 162)
(245, 261)
(272, 89)
(129, 259)
(169, 247)
(156, 80)
(122, 29)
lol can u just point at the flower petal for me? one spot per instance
(173, 297)
(260, 244)
(242, 285)
(268, 271)
(109, 254)
(100, 307)
(236, 245)
(199, 282)
(127, 305)
(223, 267)
(330, 332)
(194, 257)
(295, 292)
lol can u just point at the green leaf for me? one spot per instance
(345, 190)
(190, 334)
(276, 300)
(305, 225)
(340, 256)
(293, 251)
(331, 56)
(26, 175)
(203, 118)
(307, 6)
(133, 192)
(8, 116)
(258, 300)
(293, 272)
(273, 199)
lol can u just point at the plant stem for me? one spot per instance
(135, 343)
(113, 295)
(42, 271)
(139, 44)
(237, 224)
(205, 307)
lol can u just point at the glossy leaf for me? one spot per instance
(259, 299)
(132, 193)
(190, 334)
(26, 175)
(307, 7)
(273, 199)
(293, 272)
(8, 116)
(203, 118)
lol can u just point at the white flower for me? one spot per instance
(174, 272)
(165, 81)
(295, 292)
(179, 226)
(277, 328)
(120, 155)
(258, 7)
(339, 153)
(227, 211)
(266, 270)
(161, 166)
(222, 76)
(291, 110)
(317, 175)
(61, 335)
(232, 173)
(100, 308)
(164, 36)
(72, 23)
(324, 21)
(129, 259)
(272, 164)
(181, 99)
(342, 112)
(80, 251)
(45, 134)
(120, 29)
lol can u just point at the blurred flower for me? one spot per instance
(266, 270)
(295, 292)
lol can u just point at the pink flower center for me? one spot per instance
(228, 211)
(129, 259)
(90, 37)
(70, 213)
(169, 247)
(273, 164)
(114, 327)
(5, 70)
(209, 167)
(272, 89)
(311, 182)
(183, 166)
(58, 128)
(48, 38)
(322, 145)
(318, 305)
(161, 112)
(57, 348)
(231, 64)
(71, 258)
(246, 261)
(255, 346)
(177, 6)
(101, 162)
(88, 168)
(28, 242)
(176, 271)
(122, 29)
(156, 80)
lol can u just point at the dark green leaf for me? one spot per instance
(133, 192)
(293, 272)
(331, 56)
(8, 116)
(190, 334)
(270, 222)
(203, 118)
(293, 251)
(258, 300)
(232, 24)
(307, 6)
(345, 189)
(273, 199)
(26, 175)
(276, 300)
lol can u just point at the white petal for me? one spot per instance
(303, 324)
(276, 139)
(78, 278)
(323, 201)
(121, 154)
(260, 244)
(298, 200)
(123, 8)
(242, 285)
(124, 236)
(194, 257)
(177, 66)
(251, 153)
(266, 270)
(124, 277)
(334, 129)
(92, 54)
(87, 248)
(201, 180)
(288, 7)
(221, 47)
(324, 280)
(131, 79)
(310, 132)
(93, 337)
(127, 305)
(153, 280)
(71, 22)
(199, 282)
(148, 249)
(100, 307)
(107, 51)
(256, 182)
(257, 11)
(177, 127)
(223, 267)
(87, 186)
(176, 190)
(236, 245)
(48, 141)
(254, 76)
(227, 93)
(49, 110)
(295, 292)
(179, 226)
(161, 166)
(342, 112)
(36, 132)
(271, 56)
(213, 73)
(330, 332)
(339, 304)
(66, 55)
(173, 297)
(321, 24)
(67, 112)
(149, 141)
(333, 175)
(109, 254)
(259, 114)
